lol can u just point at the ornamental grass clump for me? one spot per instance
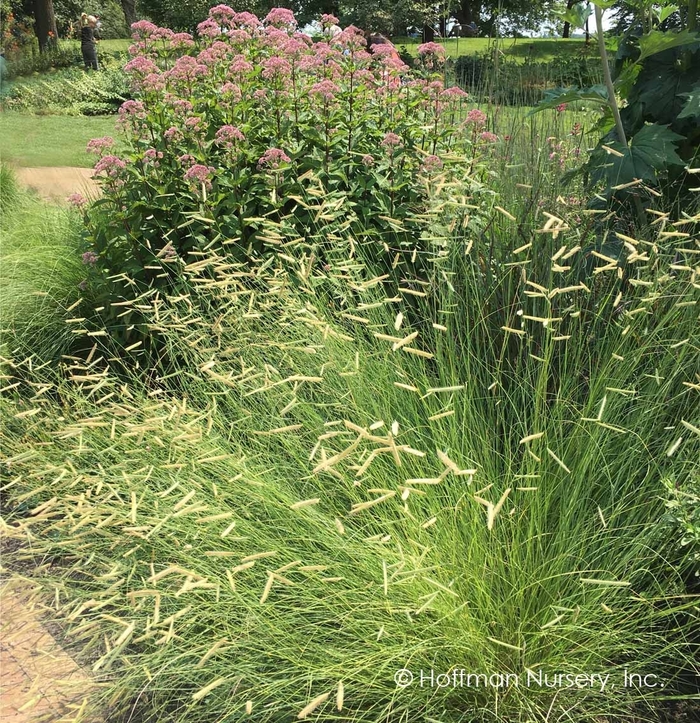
(333, 481)
(242, 122)
(41, 272)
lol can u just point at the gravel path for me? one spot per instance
(57, 183)
(39, 681)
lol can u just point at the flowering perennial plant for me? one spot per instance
(252, 119)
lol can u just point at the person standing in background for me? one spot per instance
(88, 41)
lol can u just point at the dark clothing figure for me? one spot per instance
(88, 46)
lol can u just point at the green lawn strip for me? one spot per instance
(30, 140)
(539, 49)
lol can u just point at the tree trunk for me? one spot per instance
(428, 34)
(129, 8)
(692, 15)
(468, 11)
(567, 25)
(45, 25)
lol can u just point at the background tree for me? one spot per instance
(110, 12)
(129, 9)
(45, 25)
(567, 25)
(391, 17)
(629, 12)
(507, 16)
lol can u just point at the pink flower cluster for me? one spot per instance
(181, 41)
(432, 164)
(98, 146)
(173, 134)
(186, 70)
(111, 166)
(476, 116)
(153, 156)
(227, 136)
(326, 91)
(132, 114)
(276, 68)
(141, 66)
(209, 28)
(77, 200)
(272, 159)
(198, 174)
(431, 49)
(223, 14)
(391, 142)
(281, 18)
(431, 55)
(328, 19)
(143, 29)
(454, 93)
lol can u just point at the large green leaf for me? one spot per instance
(627, 78)
(666, 12)
(576, 15)
(691, 109)
(595, 94)
(649, 154)
(657, 41)
(656, 96)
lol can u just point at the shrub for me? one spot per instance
(35, 62)
(650, 143)
(17, 31)
(70, 92)
(661, 118)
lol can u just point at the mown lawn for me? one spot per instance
(540, 49)
(50, 140)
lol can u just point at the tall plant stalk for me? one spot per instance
(612, 100)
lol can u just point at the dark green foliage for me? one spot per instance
(652, 150)
(660, 76)
(70, 92)
(110, 13)
(182, 15)
(63, 57)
